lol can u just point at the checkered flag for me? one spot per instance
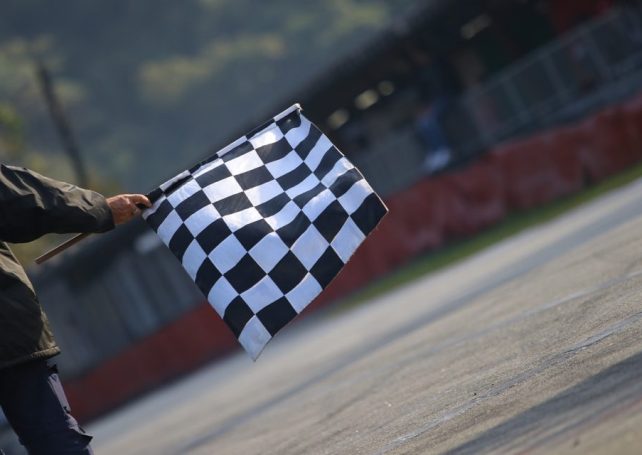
(266, 223)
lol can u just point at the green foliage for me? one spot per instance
(11, 137)
(166, 81)
(151, 86)
(23, 113)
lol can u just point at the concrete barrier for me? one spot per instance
(536, 170)
(632, 112)
(197, 337)
(610, 143)
(478, 199)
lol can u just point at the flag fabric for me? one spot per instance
(266, 223)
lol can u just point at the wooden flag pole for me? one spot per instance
(60, 248)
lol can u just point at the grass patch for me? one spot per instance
(513, 224)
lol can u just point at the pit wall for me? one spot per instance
(517, 175)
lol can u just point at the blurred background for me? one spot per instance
(459, 113)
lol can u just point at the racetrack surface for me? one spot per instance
(534, 345)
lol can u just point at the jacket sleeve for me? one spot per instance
(32, 205)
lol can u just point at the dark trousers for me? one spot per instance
(35, 405)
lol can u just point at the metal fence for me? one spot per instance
(593, 65)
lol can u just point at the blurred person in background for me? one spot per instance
(435, 85)
(31, 395)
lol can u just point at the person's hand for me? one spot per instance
(124, 207)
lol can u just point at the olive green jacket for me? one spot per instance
(30, 206)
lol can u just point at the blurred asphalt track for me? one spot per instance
(534, 345)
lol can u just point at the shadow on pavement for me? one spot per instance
(582, 405)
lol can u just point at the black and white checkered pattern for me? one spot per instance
(266, 223)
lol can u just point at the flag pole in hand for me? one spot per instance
(124, 208)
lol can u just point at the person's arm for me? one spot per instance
(32, 205)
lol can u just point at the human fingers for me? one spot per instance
(123, 208)
(139, 200)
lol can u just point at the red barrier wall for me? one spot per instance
(537, 170)
(610, 143)
(195, 338)
(477, 199)
(632, 112)
(516, 175)
(416, 220)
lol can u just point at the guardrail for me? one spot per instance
(593, 65)
(596, 64)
